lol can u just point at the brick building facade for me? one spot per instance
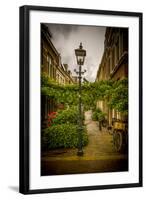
(114, 63)
(52, 66)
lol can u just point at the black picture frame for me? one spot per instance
(25, 105)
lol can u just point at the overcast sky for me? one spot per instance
(66, 38)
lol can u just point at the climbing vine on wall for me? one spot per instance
(114, 92)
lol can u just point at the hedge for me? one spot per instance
(62, 136)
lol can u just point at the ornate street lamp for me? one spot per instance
(80, 55)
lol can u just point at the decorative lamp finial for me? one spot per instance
(81, 46)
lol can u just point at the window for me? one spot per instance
(121, 43)
(113, 57)
(42, 53)
(117, 50)
(110, 60)
(125, 42)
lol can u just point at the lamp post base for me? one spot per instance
(80, 153)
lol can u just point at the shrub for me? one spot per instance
(62, 136)
(98, 115)
(69, 115)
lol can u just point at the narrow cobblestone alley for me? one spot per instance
(99, 155)
(100, 142)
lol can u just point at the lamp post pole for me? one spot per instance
(80, 149)
(80, 54)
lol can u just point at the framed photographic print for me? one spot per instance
(80, 99)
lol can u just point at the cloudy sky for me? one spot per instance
(66, 38)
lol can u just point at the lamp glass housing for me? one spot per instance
(80, 55)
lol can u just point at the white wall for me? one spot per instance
(9, 88)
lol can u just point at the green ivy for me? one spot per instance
(115, 92)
